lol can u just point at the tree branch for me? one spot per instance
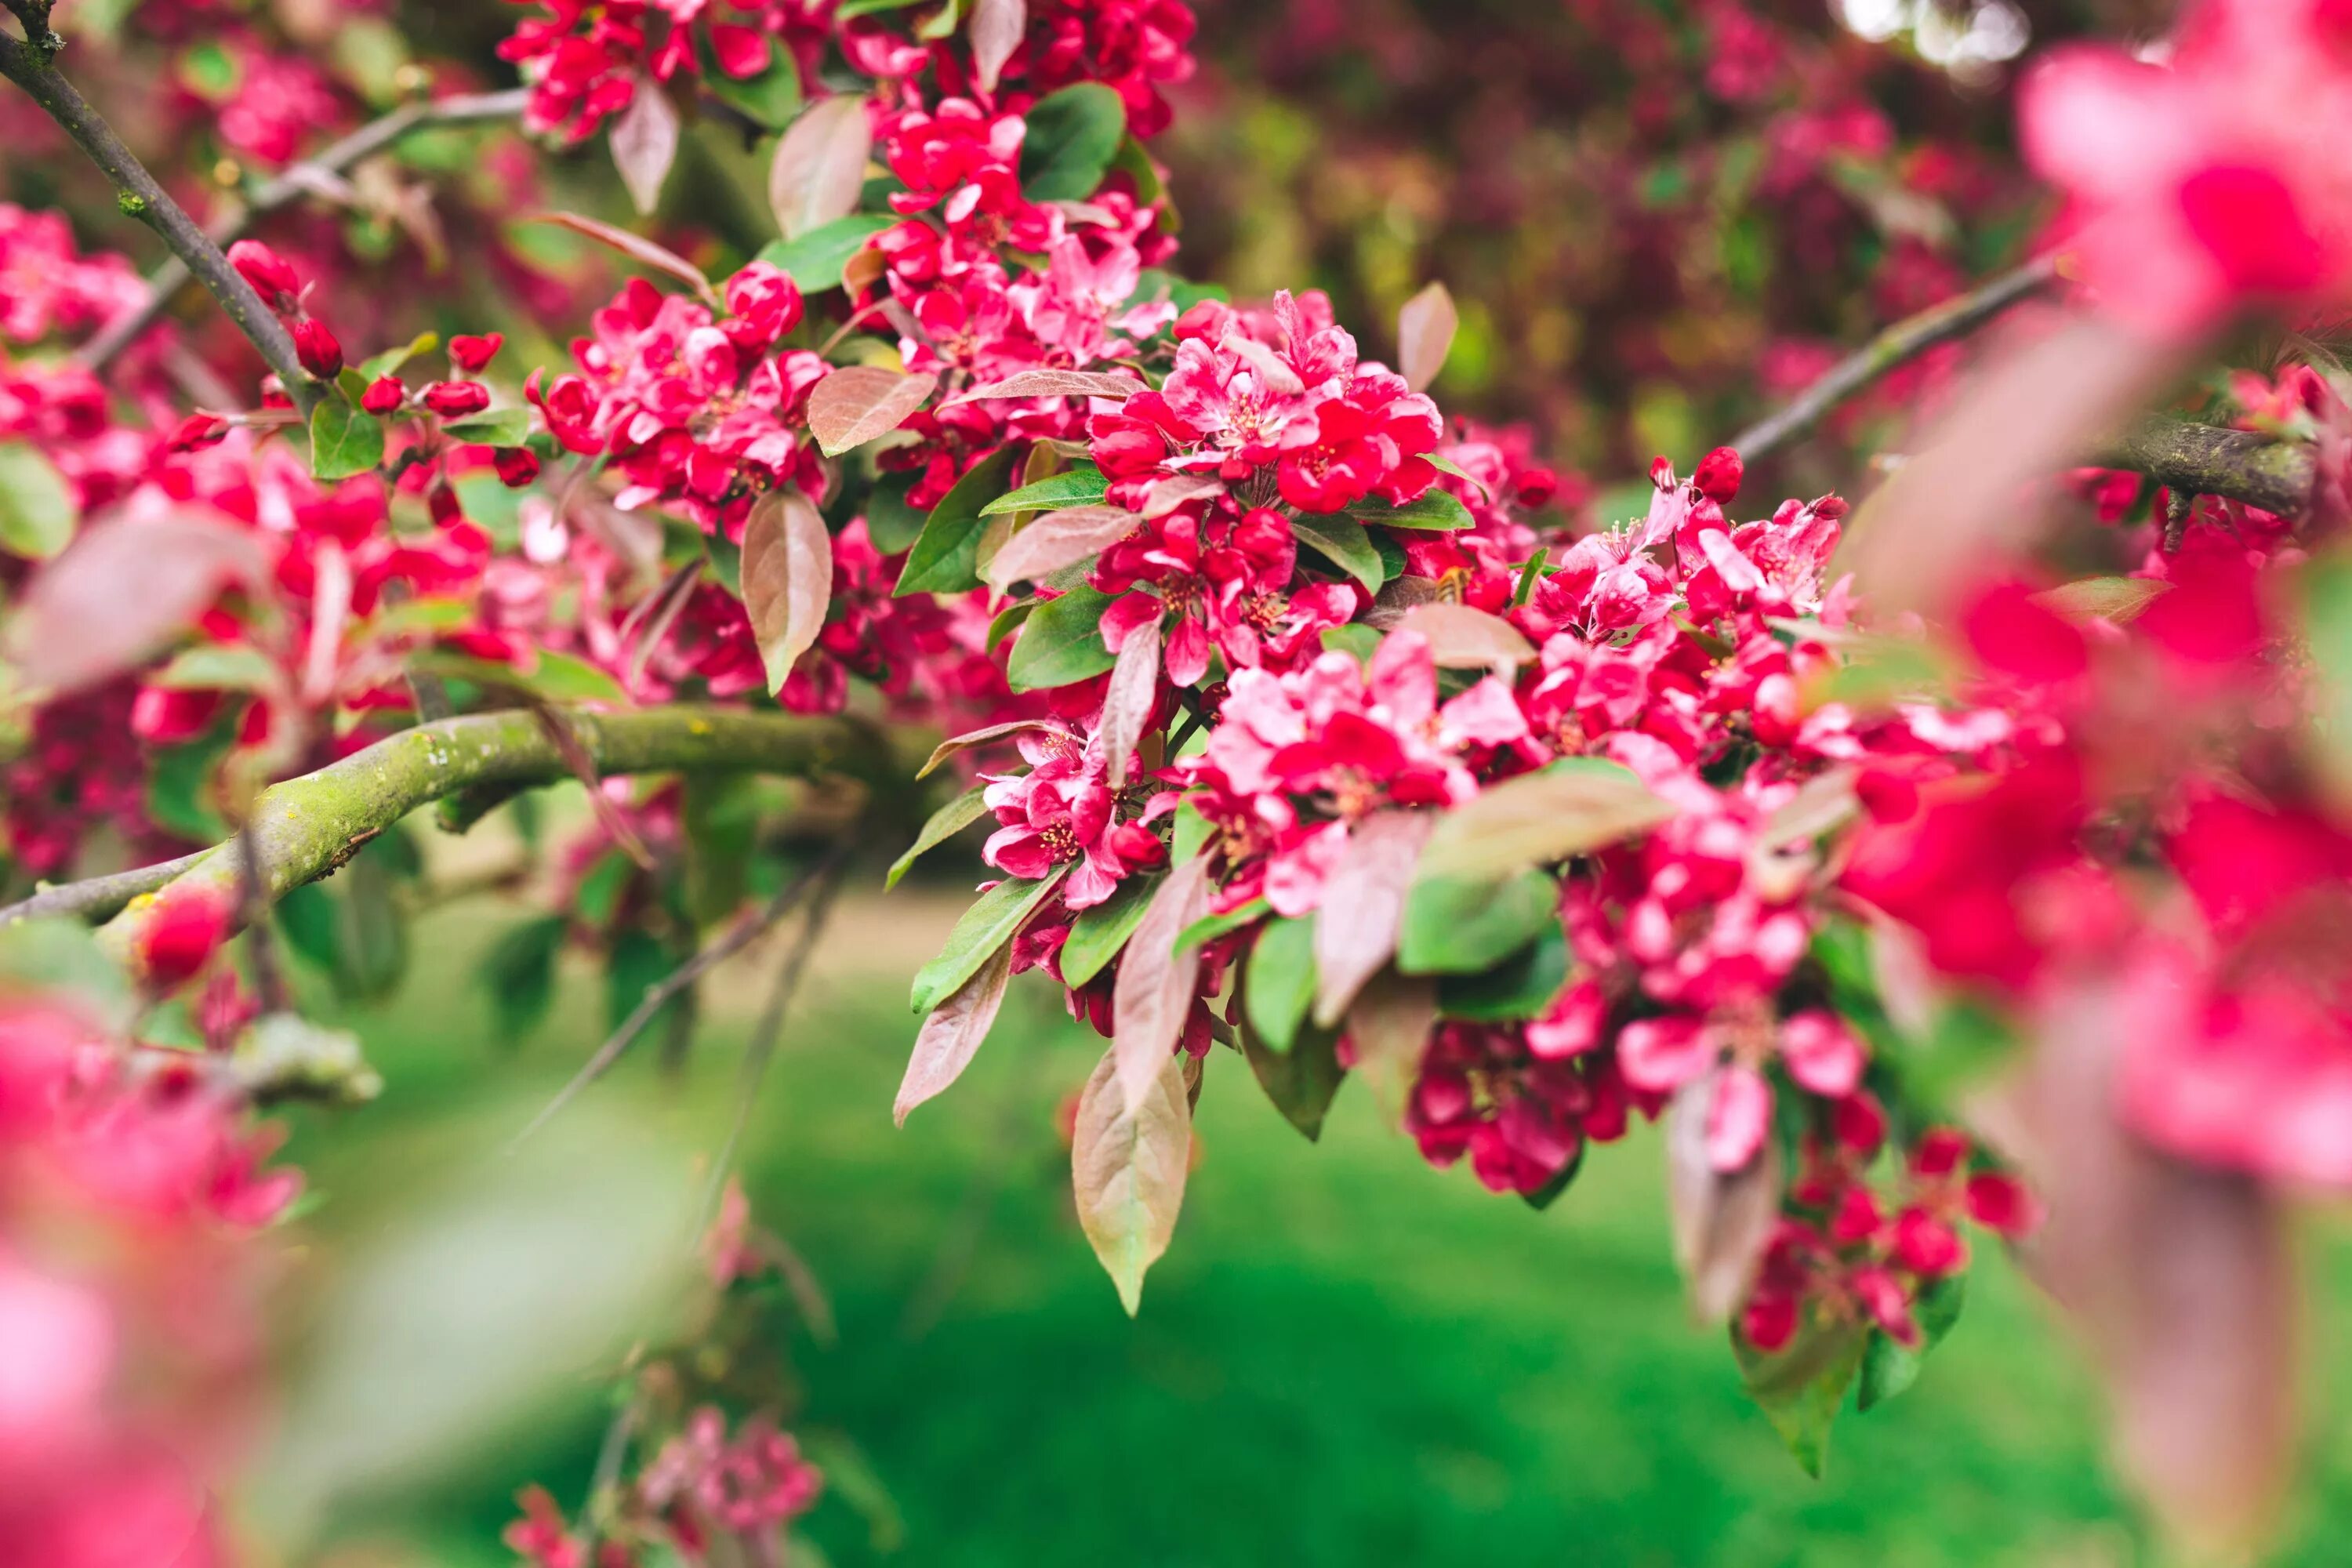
(306, 827)
(2206, 460)
(1898, 345)
(284, 188)
(98, 898)
(31, 66)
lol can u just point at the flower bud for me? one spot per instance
(471, 353)
(384, 395)
(272, 276)
(455, 399)
(198, 430)
(316, 347)
(1718, 475)
(517, 466)
(182, 930)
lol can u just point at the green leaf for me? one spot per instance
(1209, 928)
(638, 962)
(817, 258)
(36, 508)
(1574, 807)
(719, 817)
(372, 950)
(1543, 1198)
(1073, 136)
(849, 9)
(1278, 981)
(1343, 542)
(180, 785)
(519, 975)
(1354, 638)
(771, 96)
(1523, 985)
(1889, 1366)
(1081, 486)
(890, 522)
(988, 925)
(377, 366)
(1098, 934)
(945, 823)
(1300, 1080)
(2326, 583)
(554, 678)
(2118, 599)
(219, 667)
(945, 558)
(1461, 925)
(1062, 642)
(344, 441)
(492, 427)
(311, 920)
(1799, 1388)
(1188, 833)
(59, 953)
(1437, 509)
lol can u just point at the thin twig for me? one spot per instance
(98, 897)
(1898, 345)
(284, 187)
(761, 1048)
(659, 995)
(31, 66)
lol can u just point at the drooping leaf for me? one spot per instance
(1301, 1080)
(817, 259)
(1053, 384)
(1342, 541)
(1363, 906)
(857, 403)
(988, 925)
(1098, 934)
(787, 579)
(1073, 136)
(1461, 636)
(819, 169)
(770, 96)
(1129, 699)
(1801, 1387)
(344, 440)
(492, 427)
(945, 1045)
(944, 823)
(1278, 980)
(519, 975)
(377, 366)
(1081, 486)
(2121, 600)
(996, 29)
(1209, 928)
(220, 667)
(1389, 1024)
(1458, 925)
(1572, 807)
(1056, 540)
(1426, 328)
(552, 676)
(1129, 1159)
(1436, 510)
(956, 744)
(637, 249)
(1157, 984)
(1523, 985)
(1166, 495)
(1890, 1367)
(1722, 1220)
(123, 589)
(643, 139)
(36, 509)
(1062, 642)
(944, 559)
(891, 522)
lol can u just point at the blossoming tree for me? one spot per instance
(1929, 895)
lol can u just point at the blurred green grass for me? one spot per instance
(1346, 1357)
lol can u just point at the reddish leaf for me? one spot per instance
(1424, 333)
(644, 143)
(1128, 701)
(1129, 1159)
(1363, 905)
(1157, 982)
(1166, 495)
(1056, 540)
(1053, 384)
(952, 1034)
(1574, 807)
(1722, 1221)
(1388, 1025)
(637, 249)
(787, 579)
(120, 592)
(858, 403)
(1461, 637)
(996, 26)
(981, 737)
(819, 165)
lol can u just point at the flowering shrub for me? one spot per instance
(1307, 728)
